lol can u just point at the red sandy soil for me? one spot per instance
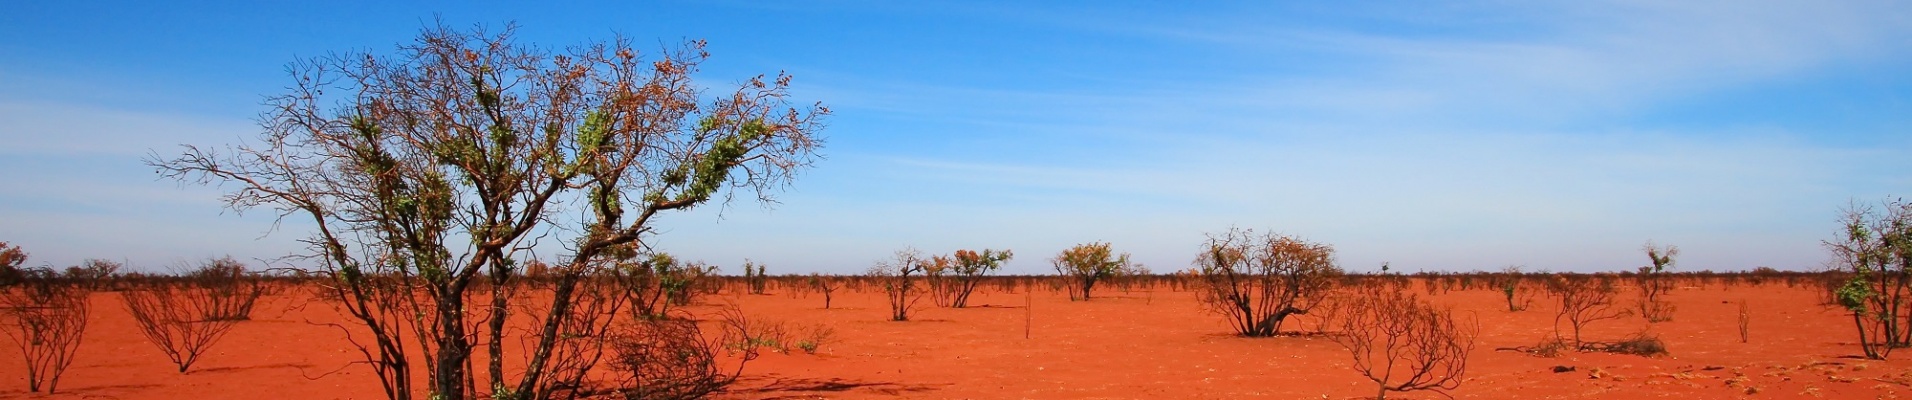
(1140, 344)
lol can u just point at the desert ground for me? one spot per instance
(1141, 343)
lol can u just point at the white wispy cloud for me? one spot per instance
(1426, 146)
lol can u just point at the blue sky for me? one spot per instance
(1449, 136)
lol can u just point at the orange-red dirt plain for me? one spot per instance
(1140, 344)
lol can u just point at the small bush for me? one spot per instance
(898, 279)
(1256, 281)
(1086, 264)
(658, 282)
(818, 335)
(11, 257)
(1641, 344)
(46, 316)
(1509, 282)
(672, 358)
(1404, 344)
(1654, 282)
(755, 275)
(1582, 299)
(172, 316)
(1549, 347)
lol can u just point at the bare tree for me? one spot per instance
(1403, 344)
(1582, 299)
(185, 317)
(897, 276)
(1256, 281)
(423, 169)
(827, 285)
(1654, 283)
(46, 317)
(1086, 264)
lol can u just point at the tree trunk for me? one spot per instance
(1858, 321)
(561, 300)
(500, 276)
(448, 381)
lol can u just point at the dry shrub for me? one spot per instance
(816, 338)
(755, 277)
(1006, 285)
(897, 278)
(1582, 299)
(45, 316)
(1086, 264)
(1549, 347)
(1257, 281)
(1329, 314)
(96, 274)
(171, 317)
(1654, 283)
(230, 292)
(940, 280)
(185, 317)
(669, 359)
(1509, 282)
(584, 330)
(1404, 344)
(1827, 284)
(1640, 344)
(766, 334)
(659, 282)
(779, 336)
(673, 358)
(11, 257)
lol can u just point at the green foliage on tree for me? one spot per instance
(1089, 263)
(421, 168)
(969, 266)
(1256, 281)
(1875, 246)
